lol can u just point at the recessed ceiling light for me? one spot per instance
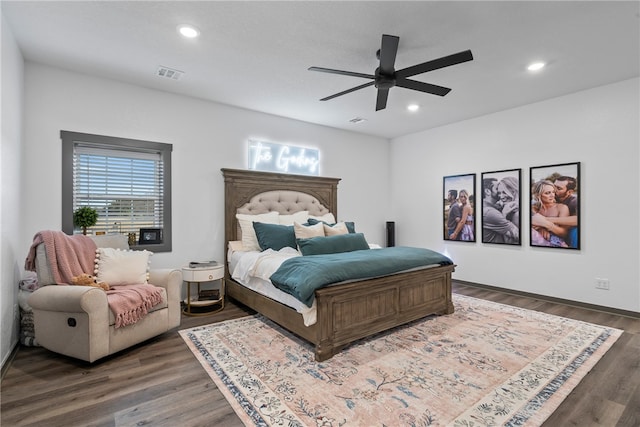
(536, 66)
(413, 107)
(188, 31)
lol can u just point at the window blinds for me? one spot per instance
(124, 186)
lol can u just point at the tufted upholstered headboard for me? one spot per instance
(283, 202)
(252, 192)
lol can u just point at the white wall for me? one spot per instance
(10, 165)
(597, 127)
(205, 137)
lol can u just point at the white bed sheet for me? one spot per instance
(253, 269)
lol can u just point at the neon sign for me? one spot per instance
(271, 157)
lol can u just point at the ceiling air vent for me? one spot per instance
(169, 73)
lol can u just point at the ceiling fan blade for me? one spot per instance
(423, 87)
(347, 91)
(381, 101)
(445, 61)
(344, 73)
(388, 51)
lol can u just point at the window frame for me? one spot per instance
(115, 143)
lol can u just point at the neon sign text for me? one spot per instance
(271, 157)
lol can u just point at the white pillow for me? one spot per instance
(235, 245)
(332, 230)
(307, 232)
(117, 267)
(328, 218)
(299, 217)
(249, 239)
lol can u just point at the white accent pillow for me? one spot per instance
(299, 217)
(117, 267)
(328, 218)
(249, 239)
(235, 245)
(307, 232)
(332, 230)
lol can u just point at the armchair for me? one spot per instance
(76, 320)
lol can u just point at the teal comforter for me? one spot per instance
(301, 276)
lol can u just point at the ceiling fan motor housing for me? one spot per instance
(384, 81)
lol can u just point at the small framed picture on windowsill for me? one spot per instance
(150, 236)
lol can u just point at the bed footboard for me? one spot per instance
(352, 311)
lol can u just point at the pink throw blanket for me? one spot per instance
(68, 256)
(130, 303)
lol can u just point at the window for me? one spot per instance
(127, 181)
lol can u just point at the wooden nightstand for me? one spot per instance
(194, 305)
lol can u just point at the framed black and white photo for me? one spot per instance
(555, 206)
(150, 236)
(501, 206)
(459, 208)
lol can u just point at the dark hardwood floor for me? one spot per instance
(160, 383)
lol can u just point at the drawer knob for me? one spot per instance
(210, 276)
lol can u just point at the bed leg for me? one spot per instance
(325, 352)
(450, 307)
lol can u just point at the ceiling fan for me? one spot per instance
(386, 76)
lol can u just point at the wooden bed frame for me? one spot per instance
(345, 312)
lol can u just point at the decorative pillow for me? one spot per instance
(333, 230)
(333, 244)
(299, 217)
(328, 218)
(118, 267)
(351, 226)
(249, 239)
(275, 236)
(306, 232)
(235, 245)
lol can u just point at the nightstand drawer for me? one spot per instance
(202, 274)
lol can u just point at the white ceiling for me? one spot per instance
(255, 55)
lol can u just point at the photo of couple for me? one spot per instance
(501, 207)
(555, 216)
(459, 207)
(554, 207)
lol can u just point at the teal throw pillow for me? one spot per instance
(333, 244)
(274, 236)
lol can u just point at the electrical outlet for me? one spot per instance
(602, 284)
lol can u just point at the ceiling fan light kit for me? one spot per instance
(385, 76)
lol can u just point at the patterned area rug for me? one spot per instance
(487, 364)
